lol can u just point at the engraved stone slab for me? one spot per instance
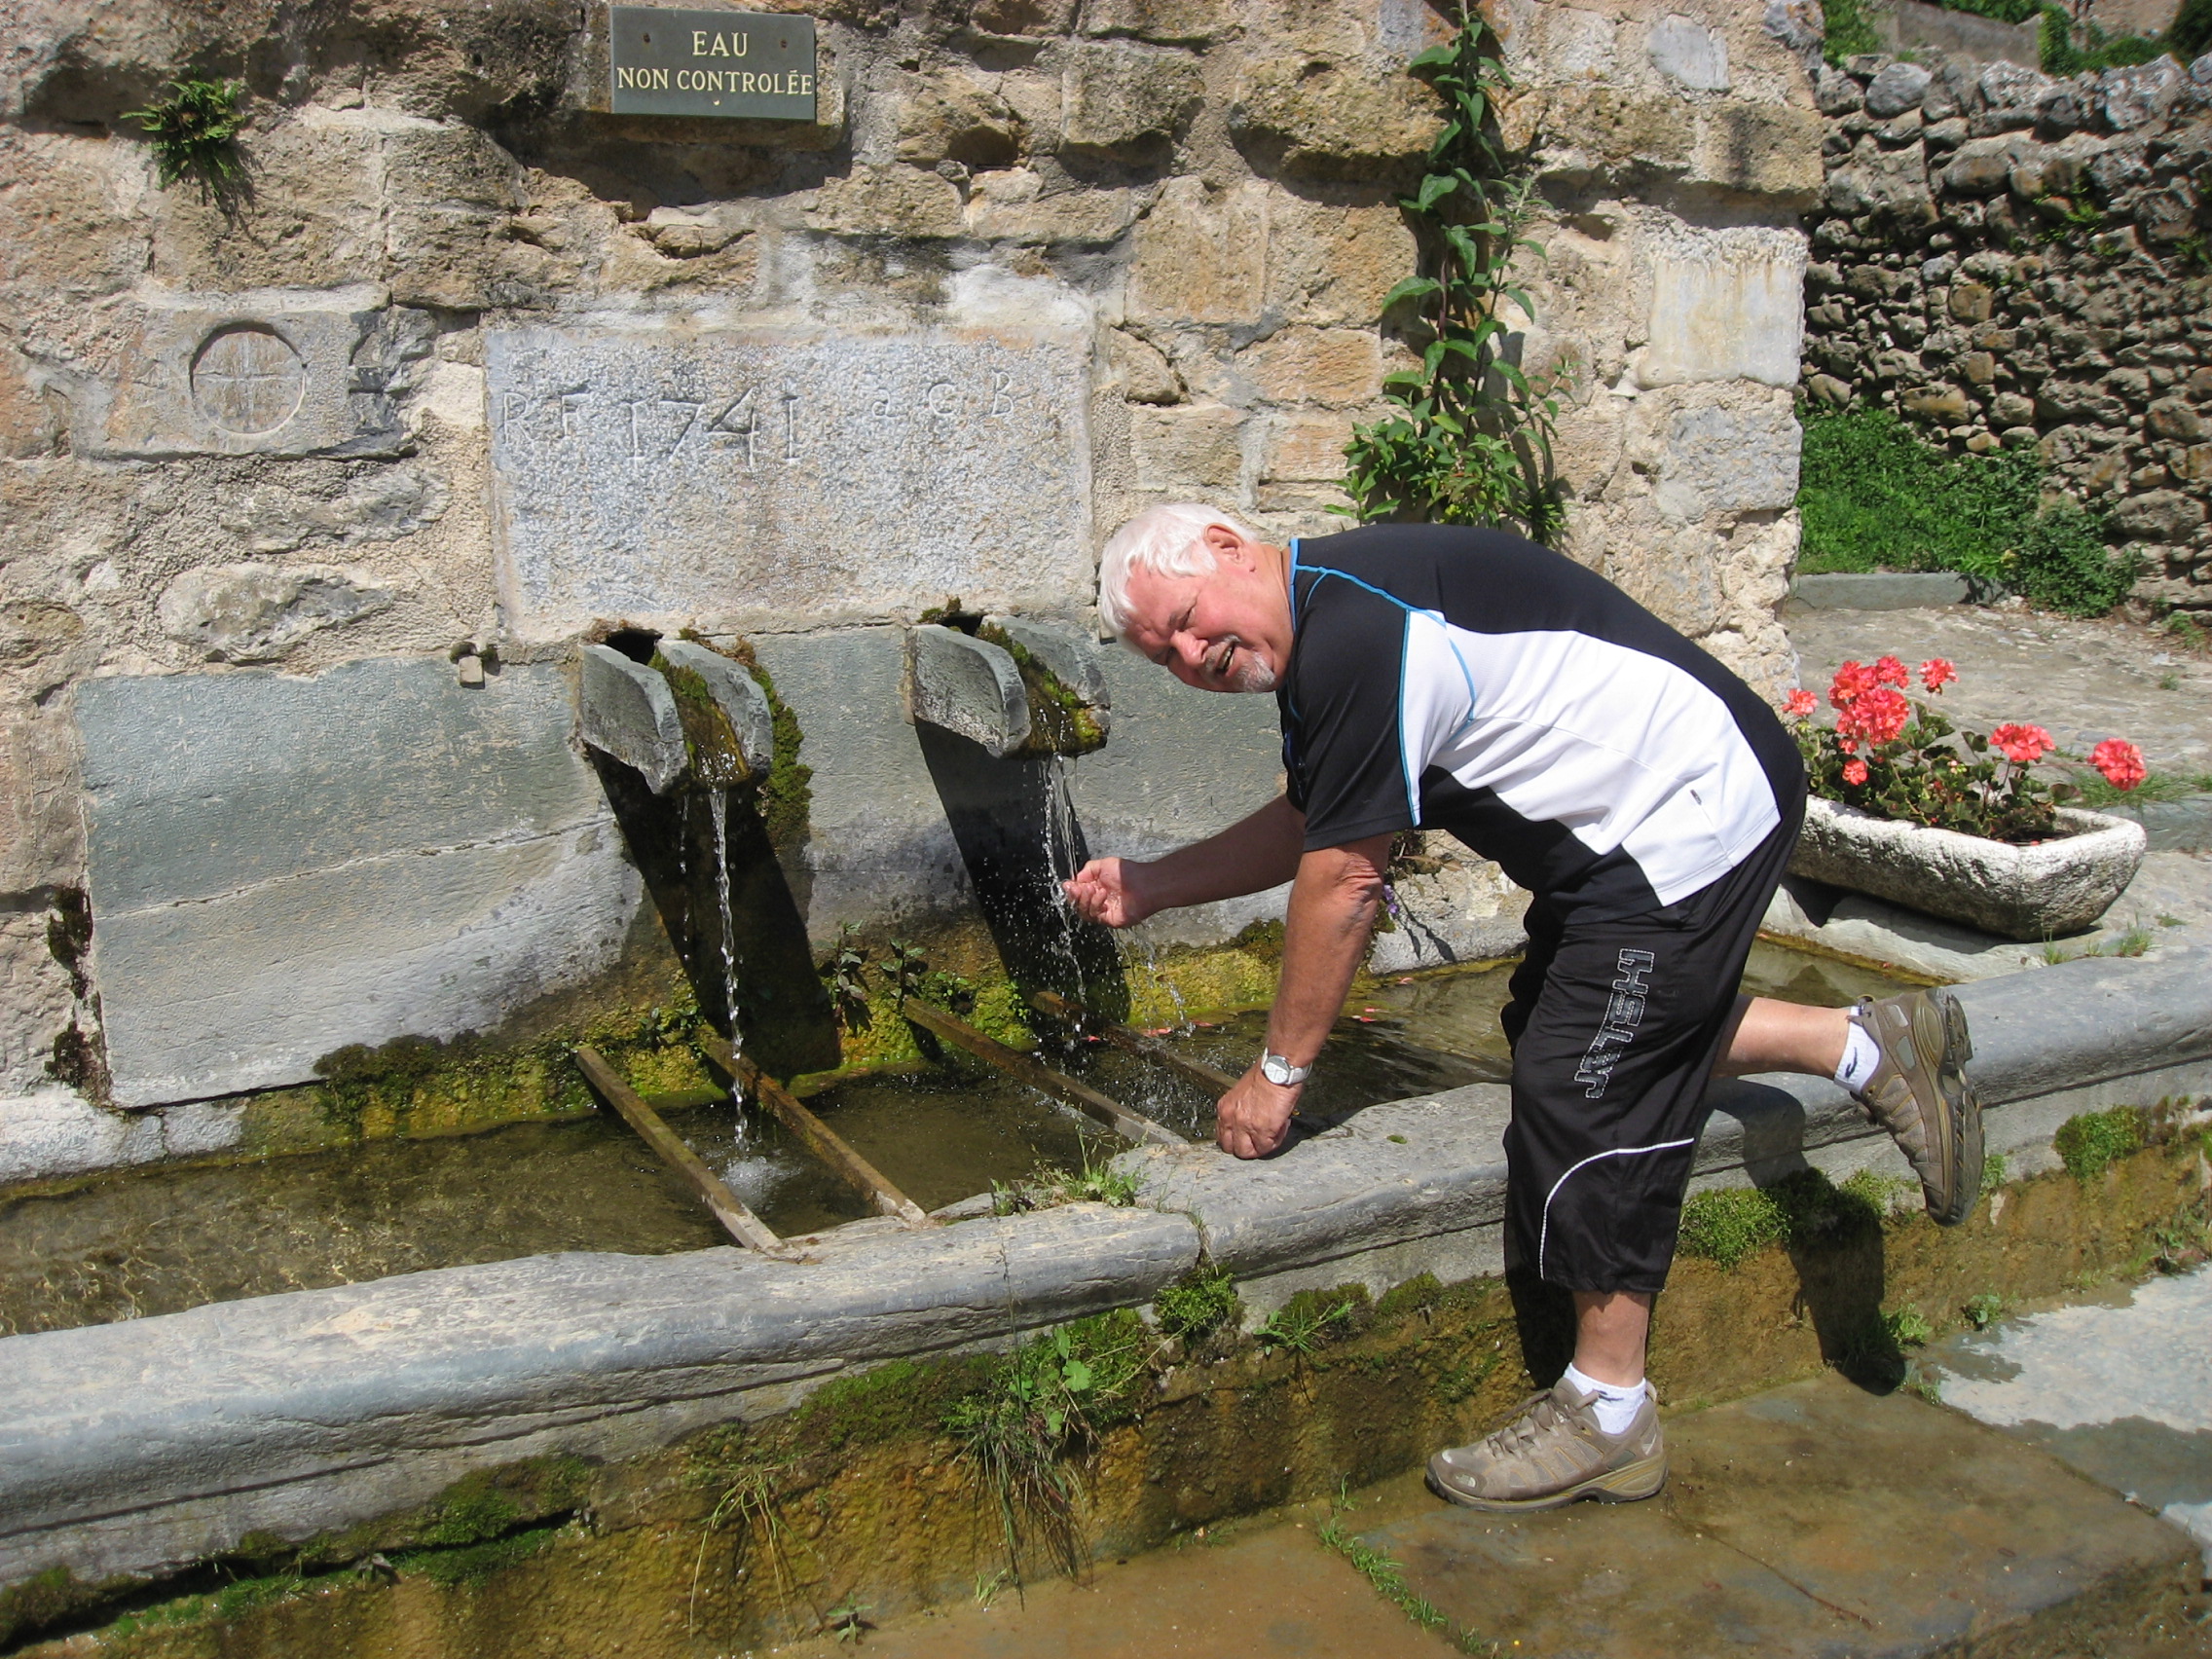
(279, 373)
(1725, 305)
(741, 475)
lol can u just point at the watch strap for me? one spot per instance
(1278, 1069)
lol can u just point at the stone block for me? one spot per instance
(257, 613)
(1970, 302)
(1196, 446)
(2135, 96)
(625, 710)
(1024, 17)
(2173, 417)
(1688, 53)
(888, 201)
(279, 373)
(1771, 150)
(1728, 457)
(953, 115)
(1202, 255)
(1460, 913)
(1937, 403)
(1306, 448)
(1978, 368)
(1892, 183)
(1900, 87)
(1725, 305)
(2162, 515)
(1333, 263)
(737, 695)
(448, 192)
(2195, 466)
(41, 830)
(1123, 99)
(1013, 206)
(1333, 366)
(1590, 130)
(1981, 166)
(1835, 93)
(1322, 118)
(1170, 23)
(690, 475)
(279, 867)
(967, 687)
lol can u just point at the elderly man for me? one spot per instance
(1468, 680)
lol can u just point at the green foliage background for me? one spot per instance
(1874, 496)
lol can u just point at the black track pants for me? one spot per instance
(1614, 1026)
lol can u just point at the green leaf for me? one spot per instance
(1434, 189)
(1411, 289)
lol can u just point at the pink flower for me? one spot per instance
(1878, 715)
(2121, 762)
(1853, 681)
(1888, 671)
(1849, 745)
(1855, 772)
(1801, 703)
(1936, 672)
(2022, 744)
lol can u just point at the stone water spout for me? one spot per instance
(1012, 685)
(701, 720)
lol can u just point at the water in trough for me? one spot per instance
(132, 1244)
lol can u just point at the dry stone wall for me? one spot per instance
(467, 365)
(2009, 259)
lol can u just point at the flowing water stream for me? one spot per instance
(134, 1244)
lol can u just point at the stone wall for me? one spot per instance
(467, 367)
(2011, 259)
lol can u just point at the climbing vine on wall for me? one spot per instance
(1470, 440)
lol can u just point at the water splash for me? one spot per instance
(717, 810)
(1059, 860)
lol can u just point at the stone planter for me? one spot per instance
(2032, 891)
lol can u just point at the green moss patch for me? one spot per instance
(2090, 1144)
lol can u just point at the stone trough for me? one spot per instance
(137, 1449)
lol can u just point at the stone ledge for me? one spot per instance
(1881, 590)
(137, 1446)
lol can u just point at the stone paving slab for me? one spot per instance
(1259, 1593)
(1814, 1519)
(2119, 1391)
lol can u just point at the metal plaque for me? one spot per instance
(663, 61)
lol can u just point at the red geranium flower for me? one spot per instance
(1936, 672)
(1853, 681)
(1878, 715)
(1888, 671)
(2022, 744)
(1800, 704)
(2121, 762)
(1855, 772)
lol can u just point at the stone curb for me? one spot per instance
(141, 1446)
(1882, 590)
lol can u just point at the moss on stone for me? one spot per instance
(787, 792)
(709, 742)
(2089, 1144)
(1060, 722)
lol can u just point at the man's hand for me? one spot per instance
(1253, 1119)
(1111, 892)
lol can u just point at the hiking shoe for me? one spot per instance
(1553, 1454)
(1920, 1094)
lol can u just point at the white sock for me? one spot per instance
(1861, 1056)
(1616, 1402)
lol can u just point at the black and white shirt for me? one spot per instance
(1472, 681)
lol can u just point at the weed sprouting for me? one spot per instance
(194, 132)
(1312, 1319)
(1196, 1305)
(1050, 1185)
(1908, 1327)
(1388, 1575)
(1983, 1311)
(1049, 1397)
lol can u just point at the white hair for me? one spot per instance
(1168, 541)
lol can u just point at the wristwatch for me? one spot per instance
(1281, 1072)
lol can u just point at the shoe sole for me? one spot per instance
(1964, 1108)
(1634, 1484)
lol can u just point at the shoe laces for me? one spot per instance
(1539, 1415)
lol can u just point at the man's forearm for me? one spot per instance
(1328, 922)
(1250, 856)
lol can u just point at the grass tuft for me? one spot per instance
(1199, 1304)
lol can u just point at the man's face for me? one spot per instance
(1227, 631)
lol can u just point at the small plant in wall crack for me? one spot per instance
(194, 132)
(1470, 441)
